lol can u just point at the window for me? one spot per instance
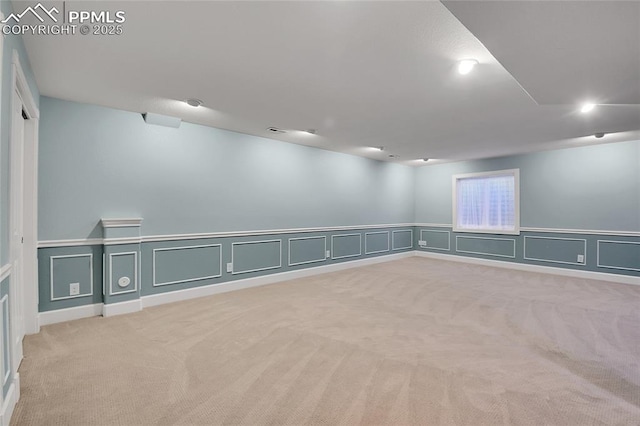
(487, 202)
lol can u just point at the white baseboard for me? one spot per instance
(10, 401)
(128, 307)
(192, 293)
(602, 276)
(69, 314)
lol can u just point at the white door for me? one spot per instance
(16, 225)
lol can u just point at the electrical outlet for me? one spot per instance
(422, 243)
(229, 267)
(581, 258)
(328, 254)
(74, 289)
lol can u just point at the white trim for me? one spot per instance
(376, 251)
(433, 225)
(487, 238)
(23, 88)
(581, 231)
(192, 293)
(349, 255)
(516, 182)
(5, 271)
(6, 338)
(121, 223)
(153, 263)
(70, 314)
(121, 308)
(233, 265)
(393, 239)
(71, 242)
(609, 266)
(324, 252)
(65, 256)
(268, 232)
(121, 240)
(135, 273)
(10, 401)
(584, 253)
(436, 248)
(576, 273)
(175, 237)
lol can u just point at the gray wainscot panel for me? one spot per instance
(58, 267)
(6, 343)
(436, 239)
(376, 242)
(346, 245)
(254, 256)
(555, 249)
(304, 250)
(123, 272)
(620, 255)
(66, 271)
(490, 246)
(173, 265)
(402, 239)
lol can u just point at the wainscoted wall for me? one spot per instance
(612, 254)
(6, 369)
(115, 273)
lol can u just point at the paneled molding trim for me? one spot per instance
(306, 262)
(121, 223)
(622, 268)
(266, 268)
(582, 231)
(549, 230)
(10, 400)
(5, 271)
(155, 283)
(427, 246)
(70, 256)
(393, 239)
(622, 279)
(196, 236)
(135, 273)
(472, 237)
(366, 234)
(333, 257)
(535, 237)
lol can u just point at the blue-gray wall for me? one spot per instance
(11, 43)
(590, 187)
(579, 201)
(99, 162)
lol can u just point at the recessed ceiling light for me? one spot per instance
(311, 131)
(194, 102)
(425, 159)
(275, 130)
(466, 66)
(393, 156)
(379, 148)
(587, 107)
(599, 135)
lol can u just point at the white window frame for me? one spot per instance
(509, 172)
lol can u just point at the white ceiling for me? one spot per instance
(364, 74)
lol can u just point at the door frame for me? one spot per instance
(21, 94)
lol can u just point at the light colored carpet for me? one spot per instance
(414, 341)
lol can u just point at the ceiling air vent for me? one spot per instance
(275, 130)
